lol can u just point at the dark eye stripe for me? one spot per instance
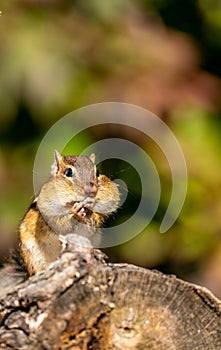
(68, 172)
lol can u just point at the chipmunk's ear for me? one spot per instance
(57, 161)
(92, 157)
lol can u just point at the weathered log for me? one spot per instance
(81, 302)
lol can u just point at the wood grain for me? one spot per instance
(81, 302)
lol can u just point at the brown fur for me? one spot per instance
(66, 204)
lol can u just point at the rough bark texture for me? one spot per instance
(81, 302)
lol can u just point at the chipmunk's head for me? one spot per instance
(82, 185)
(80, 171)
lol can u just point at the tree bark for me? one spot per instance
(81, 302)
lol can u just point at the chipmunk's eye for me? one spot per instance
(68, 172)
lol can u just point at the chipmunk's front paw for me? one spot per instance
(79, 210)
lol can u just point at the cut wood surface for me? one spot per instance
(81, 302)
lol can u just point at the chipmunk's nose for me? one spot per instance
(90, 189)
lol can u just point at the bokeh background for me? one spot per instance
(59, 55)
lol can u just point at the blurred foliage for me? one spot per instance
(57, 55)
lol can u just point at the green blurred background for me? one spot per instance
(164, 55)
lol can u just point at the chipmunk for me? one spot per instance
(76, 199)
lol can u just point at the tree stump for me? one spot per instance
(81, 302)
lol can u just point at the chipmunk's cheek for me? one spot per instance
(106, 207)
(102, 207)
